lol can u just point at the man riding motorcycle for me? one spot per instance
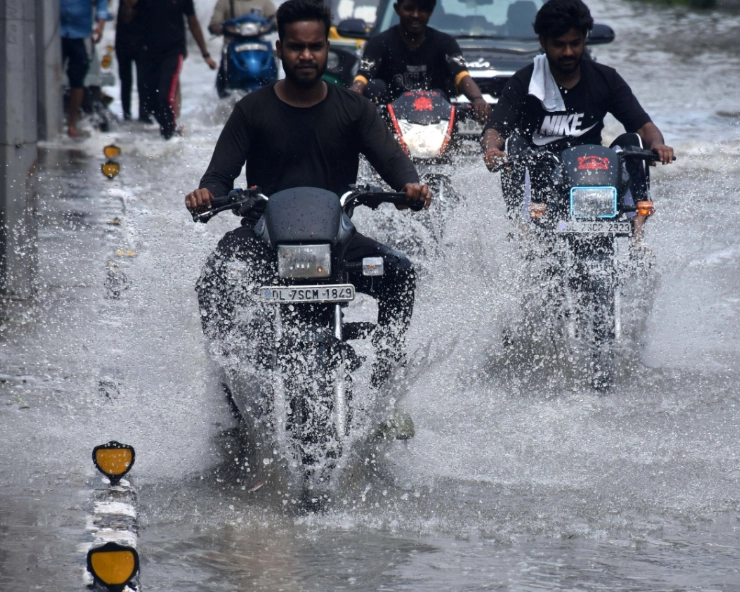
(413, 56)
(561, 101)
(302, 132)
(229, 9)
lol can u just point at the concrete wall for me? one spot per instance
(48, 69)
(18, 147)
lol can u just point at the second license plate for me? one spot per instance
(582, 227)
(333, 293)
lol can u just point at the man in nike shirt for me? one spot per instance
(589, 91)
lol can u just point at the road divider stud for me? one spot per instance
(114, 460)
(113, 565)
(110, 167)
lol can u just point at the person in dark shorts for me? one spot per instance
(303, 132)
(129, 52)
(164, 51)
(413, 56)
(572, 112)
(76, 26)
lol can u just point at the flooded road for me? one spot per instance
(514, 481)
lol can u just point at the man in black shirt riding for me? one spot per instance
(302, 132)
(571, 111)
(413, 56)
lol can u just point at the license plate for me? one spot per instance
(290, 295)
(581, 227)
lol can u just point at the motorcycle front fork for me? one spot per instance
(340, 388)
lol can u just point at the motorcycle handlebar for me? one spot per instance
(371, 197)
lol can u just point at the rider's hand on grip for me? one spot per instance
(418, 197)
(495, 160)
(198, 201)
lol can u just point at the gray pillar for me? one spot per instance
(49, 69)
(18, 149)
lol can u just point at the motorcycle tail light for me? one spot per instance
(537, 210)
(304, 261)
(645, 208)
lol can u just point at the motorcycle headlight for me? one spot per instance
(249, 29)
(424, 141)
(593, 202)
(304, 261)
(332, 61)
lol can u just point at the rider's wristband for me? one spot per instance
(476, 98)
(206, 55)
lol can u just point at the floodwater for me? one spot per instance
(515, 480)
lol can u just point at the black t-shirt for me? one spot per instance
(438, 62)
(600, 91)
(164, 25)
(318, 146)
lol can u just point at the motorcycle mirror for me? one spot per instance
(110, 169)
(113, 565)
(114, 460)
(353, 28)
(600, 35)
(111, 151)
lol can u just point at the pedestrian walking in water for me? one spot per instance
(76, 27)
(129, 51)
(164, 51)
(229, 9)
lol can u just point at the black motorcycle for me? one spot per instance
(580, 207)
(289, 370)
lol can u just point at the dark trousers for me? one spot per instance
(129, 53)
(242, 262)
(221, 78)
(161, 75)
(639, 179)
(74, 53)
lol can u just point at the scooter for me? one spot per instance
(249, 60)
(288, 367)
(580, 206)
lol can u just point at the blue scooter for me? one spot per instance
(249, 60)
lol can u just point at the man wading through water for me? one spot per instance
(303, 132)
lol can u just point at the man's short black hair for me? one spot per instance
(297, 11)
(557, 17)
(425, 5)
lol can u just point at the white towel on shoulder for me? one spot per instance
(544, 87)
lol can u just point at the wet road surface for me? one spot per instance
(514, 481)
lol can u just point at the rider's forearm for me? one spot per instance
(197, 34)
(492, 140)
(470, 89)
(650, 135)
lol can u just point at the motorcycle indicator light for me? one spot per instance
(111, 151)
(645, 208)
(537, 210)
(373, 266)
(114, 460)
(113, 565)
